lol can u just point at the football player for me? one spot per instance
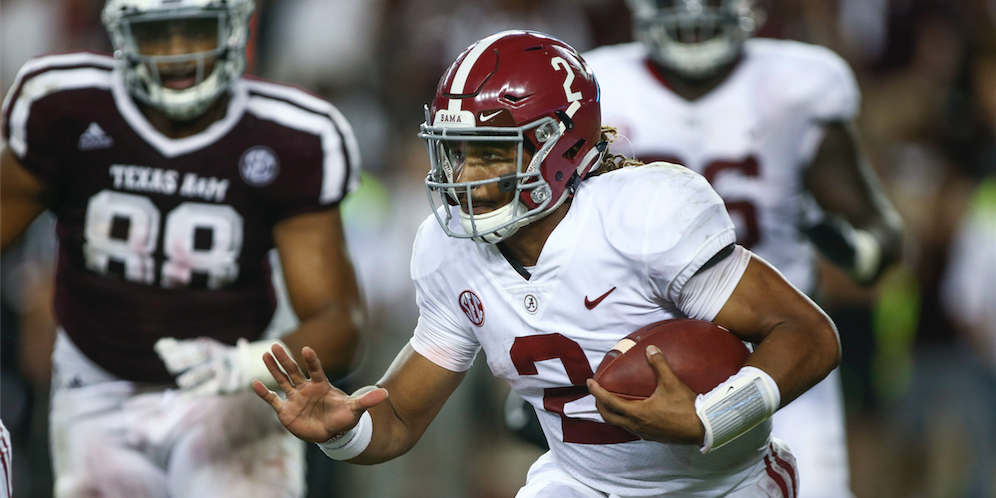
(769, 124)
(172, 176)
(544, 253)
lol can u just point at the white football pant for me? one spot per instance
(774, 476)
(118, 439)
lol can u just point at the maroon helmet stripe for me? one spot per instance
(458, 84)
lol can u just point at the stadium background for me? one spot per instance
(919, 383)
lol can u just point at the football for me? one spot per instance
(702, 354)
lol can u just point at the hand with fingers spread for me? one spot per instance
(667, 416)
(314, 410)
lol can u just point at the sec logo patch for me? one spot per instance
(259, 166)
(473, 307)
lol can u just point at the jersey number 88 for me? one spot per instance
(201, 242)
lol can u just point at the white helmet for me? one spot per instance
(695, 38)
(141, 72)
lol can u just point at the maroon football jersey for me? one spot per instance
(162, 237)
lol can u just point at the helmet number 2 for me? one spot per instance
(201, 242)
(573, 97)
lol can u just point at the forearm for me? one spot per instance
(392, 436)
(798, 354)
(417, 389)
(847, 189)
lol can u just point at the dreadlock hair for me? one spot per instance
(610, 161)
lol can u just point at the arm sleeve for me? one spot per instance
(705, 294)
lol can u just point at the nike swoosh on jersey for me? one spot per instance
(591, 304)
(489, 116)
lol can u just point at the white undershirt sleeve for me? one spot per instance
(706, 292)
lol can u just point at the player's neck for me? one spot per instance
(692, 88)
(527, 243)
(180, 129)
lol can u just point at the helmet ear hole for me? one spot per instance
(573, 151)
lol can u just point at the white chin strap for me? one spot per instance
(697, 59)
(486, 223)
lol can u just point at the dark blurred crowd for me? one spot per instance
(919, 364)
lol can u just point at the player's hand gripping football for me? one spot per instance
(667, 416)
(314, 410)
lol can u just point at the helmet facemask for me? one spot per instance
(695, 38)
(182, 86)
(447, 147)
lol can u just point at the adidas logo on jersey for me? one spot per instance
(94, 138)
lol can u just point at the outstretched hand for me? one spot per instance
(667, 416)
(314, 410)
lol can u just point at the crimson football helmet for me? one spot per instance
(693, 37)
(140, 72)
(519, 87)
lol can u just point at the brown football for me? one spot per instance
(702, 354)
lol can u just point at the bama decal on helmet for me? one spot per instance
(453, 119)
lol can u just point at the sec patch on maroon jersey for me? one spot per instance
(702, 354)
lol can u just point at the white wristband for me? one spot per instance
(250, 354)
(867, 255)
(350, 443)
(736, 406)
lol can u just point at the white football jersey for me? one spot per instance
(751, 137)
(615, 263)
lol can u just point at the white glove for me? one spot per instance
(207, 366)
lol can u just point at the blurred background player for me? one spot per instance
(171, 177)
(513, 133)
(770, 124)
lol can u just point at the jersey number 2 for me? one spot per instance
(526, 351)
(201, 242)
